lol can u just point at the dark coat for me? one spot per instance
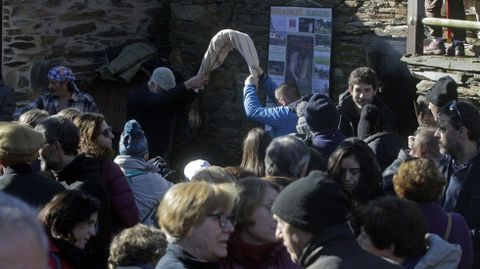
(7, 102)
(157, 113)
(177, 258)
(83, 174)
(33, 188)
(349, 115)
(467, 202)
(336, 248)
(391, 170)
(386, 147)
(124, 210)
(62, 254)
(327, 141)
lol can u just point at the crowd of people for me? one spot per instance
(325, 185)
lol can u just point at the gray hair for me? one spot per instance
(286, 156)
(17, 216)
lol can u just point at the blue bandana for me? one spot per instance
(61, 74)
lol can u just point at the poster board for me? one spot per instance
(299, 47)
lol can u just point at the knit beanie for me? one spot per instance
(132, 140)
(19, 143)
(302, 127)
(442, 92)
(312, 203)
(321, 113)
(163, 77)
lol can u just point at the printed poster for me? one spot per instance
(300, 47)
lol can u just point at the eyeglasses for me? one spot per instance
(454, 107)
(223, 219)
(107, 132)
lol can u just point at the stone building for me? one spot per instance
(38, 34)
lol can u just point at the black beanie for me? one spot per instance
(312, 203)
(442, 92)
(321, 113)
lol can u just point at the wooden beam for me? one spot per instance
(451, 23)
(415, 11)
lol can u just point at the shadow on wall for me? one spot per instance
(398, 86)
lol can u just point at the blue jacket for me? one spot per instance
(282, 119)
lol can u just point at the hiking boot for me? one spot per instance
(456, 50)
(434, 48)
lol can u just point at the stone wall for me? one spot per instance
(359, 26)
(38, 34)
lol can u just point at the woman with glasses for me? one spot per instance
(253, 244)
(354, 166)
(70, 220)
(197, 221)
(96, 140)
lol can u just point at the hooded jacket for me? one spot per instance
(440, 254)
(349, 115)
(147, 185)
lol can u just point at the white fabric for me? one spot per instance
(222, 44)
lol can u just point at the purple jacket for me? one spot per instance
(437, 220)
(124, 209)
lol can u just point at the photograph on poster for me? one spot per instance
(278, 38)
(278, 24)
(299, 62)
(306, 25)
(323, 26)
(323, 40)
(292, 25)
(321, 71)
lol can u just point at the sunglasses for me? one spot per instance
(107, 132)
(454, 107)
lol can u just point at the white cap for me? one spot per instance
(193, 167)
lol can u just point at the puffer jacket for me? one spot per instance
(124, 210)
(440, 254)
(147, 185)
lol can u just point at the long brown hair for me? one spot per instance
(254, 150)
(89, 125)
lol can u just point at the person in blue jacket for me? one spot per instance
(281, 118)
